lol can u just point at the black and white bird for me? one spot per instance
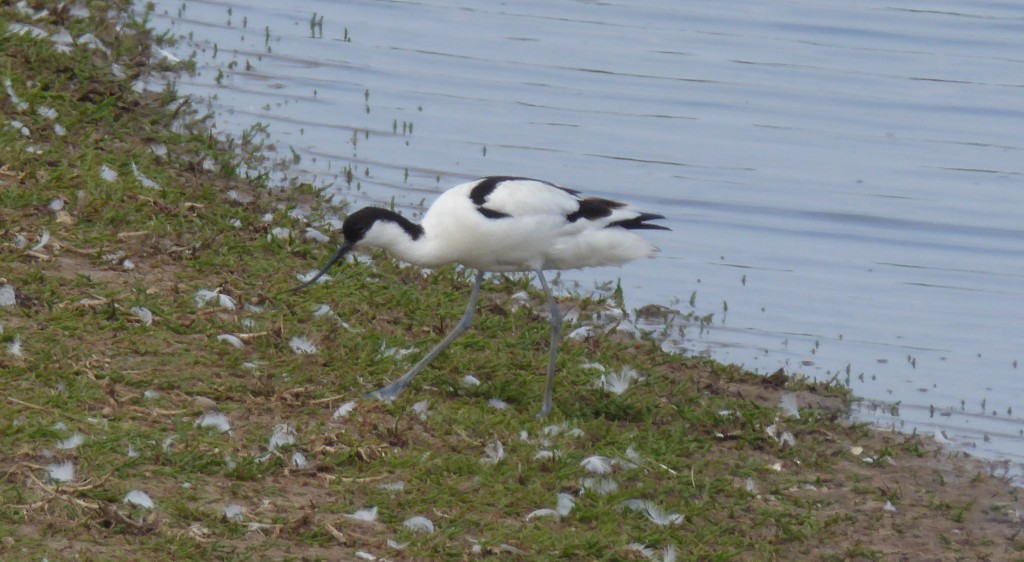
(503, 224)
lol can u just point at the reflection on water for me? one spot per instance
(843, 181)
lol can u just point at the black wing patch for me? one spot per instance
(593, 208)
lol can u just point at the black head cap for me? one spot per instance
(359, 223)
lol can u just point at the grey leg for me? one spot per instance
(394, 389)
(556, 331)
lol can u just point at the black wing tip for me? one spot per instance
(639, 222)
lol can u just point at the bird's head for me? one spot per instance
(370, 227)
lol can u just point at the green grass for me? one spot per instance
(87, 362)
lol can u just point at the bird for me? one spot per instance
(502, 224)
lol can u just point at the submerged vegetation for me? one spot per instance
(160, 399)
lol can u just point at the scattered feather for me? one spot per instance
(669, 554)
(420, 409)
(344, 410)
(889, 507)
(396, 545)
(107, 173)
(596, 464)
(14, 346)
(231, 339)
(368, 514)
(470, 381)
(653, 511)
(397, 486)
(856, 451)
(234, 512)
(363, 555)
(132, 453)
(280, 232)
(20, 242)
(781, 437)
(498, 403)
(302, 345)
(316, 236)
(20, 127)
(19, 104)
(47, 112)
(545, 455)
(615, 383)
(581, 333)
(418, 524)
(142, 179)
(323, 310)
(553, 430)
(239, 196)
(565, 504)
(299, 460)
(62, 471)
(72, 442)
(633, 456)
(139, 498)
(44, 236)
(595, 366)
(204, 296)
(642, 549)
(284, 434)
(214, 419)
(151, 394)
(493, 453)
(600, 486)
(394, 351)
(751, 486)
(90, 40)
(523, 435)
(788, 404)
(143, 314)
(166, 55)
(7, 296)
(545, 512)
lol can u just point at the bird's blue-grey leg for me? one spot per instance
(394, 389)
(556, 331)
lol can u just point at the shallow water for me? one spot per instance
(844, 180)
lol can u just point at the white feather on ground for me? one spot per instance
(493, 453)
(139, 498)
(344, 410)
(368, 514)
(596, 464)
(214, 419)
(62, 471)
(419, 524)
(301, 345)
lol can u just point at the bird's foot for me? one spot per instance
(388, 393)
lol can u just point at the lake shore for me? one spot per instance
(147, 354)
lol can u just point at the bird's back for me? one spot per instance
(518, 224)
